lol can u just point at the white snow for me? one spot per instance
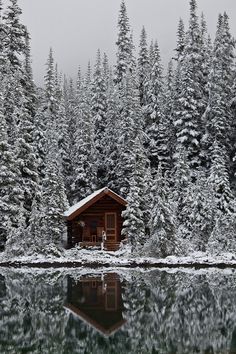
(122, 258)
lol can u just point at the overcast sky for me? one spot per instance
(77, 28)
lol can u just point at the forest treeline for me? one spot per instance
(163, 139)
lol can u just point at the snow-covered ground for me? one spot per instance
(122, 258)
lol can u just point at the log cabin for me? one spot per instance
(96, 220)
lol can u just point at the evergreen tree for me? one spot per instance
(39, 136)
(198, 210)
(10, 191)
(111, 144)
(219, 178)
(167, 137)
(124, 45)
(37, 243)
(154, 107)
(143, 68)
(84, 170)
(162, 241)
(30, 97)
(180, 39)
(13, 247)
(27, 160)
(13, 51)
(2, 41)
(131, 123)
(15, 35)
(137, 211)
(64, 144)
(54, 201)
(99, 110)
(182, 183)
(50, 90)
(189, 101)
(46, 113)
(218, 113)
(106, 72)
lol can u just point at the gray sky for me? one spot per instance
(77, 28)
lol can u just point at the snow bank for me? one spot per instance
(77, 257)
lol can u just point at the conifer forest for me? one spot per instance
(161, 136)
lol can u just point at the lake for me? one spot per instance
(118, 311)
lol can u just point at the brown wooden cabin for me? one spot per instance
(91, 217)
(97, 300)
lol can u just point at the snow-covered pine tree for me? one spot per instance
(84, 171)
(162, 242)
(167, 136)
(14, 247)
(143, 67)
(64, 143)
(15, 35)
(187, 120)
(47, 109)
(182, 181)
(70, 97)
(10, 190)
(2, 41)
(39, 136)
(27, 160)
(198, 209)
(206, 58)
(124, 45)
(206, 64)
(29, 87)
(130, 124)
(112, 132)
(137, 214)
(180, 39)
(220, 124)
(177, 90)
(164, 143)
(219, 179)
(106, 71)
(54, 200)
(13, 52)
(24, 143)
(50, 89)
(154, 108)
(36, 242)
(222, 238)
(99, 111)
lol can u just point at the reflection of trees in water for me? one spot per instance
(31, 314)
(184, 313)
(164, 313)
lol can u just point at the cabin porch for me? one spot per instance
(107, 246)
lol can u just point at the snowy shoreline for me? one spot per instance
(77, 258)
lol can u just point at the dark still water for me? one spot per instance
(130, 312)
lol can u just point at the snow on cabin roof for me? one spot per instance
(84, 201)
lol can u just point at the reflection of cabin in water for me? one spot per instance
(97, 301)
(96, 218)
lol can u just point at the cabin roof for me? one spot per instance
(95, 324)
(91, 199)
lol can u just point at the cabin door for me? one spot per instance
(111, 227)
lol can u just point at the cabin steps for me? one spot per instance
(113, 246)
